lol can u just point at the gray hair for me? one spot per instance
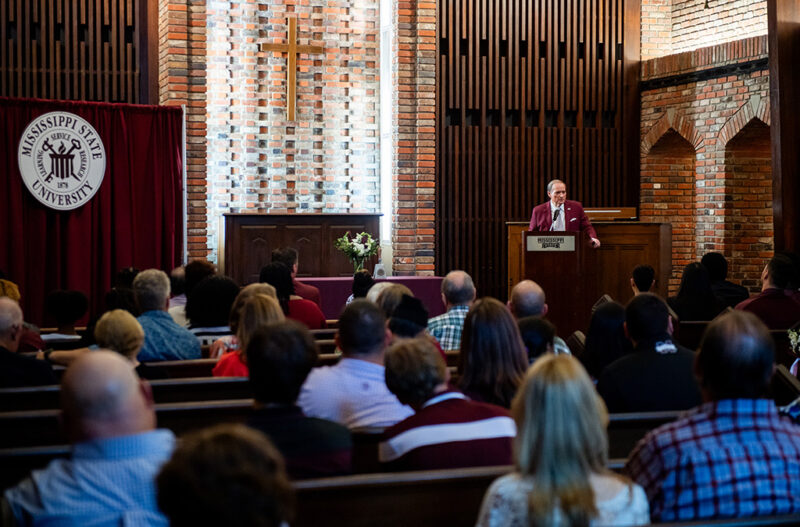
(151, 288)
(552, 184)
(10, 314)
(457, 288)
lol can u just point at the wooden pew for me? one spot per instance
(164, 391)
(437, 498)
(625, 430)
(42, 427)
(784, 387)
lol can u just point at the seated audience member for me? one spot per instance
(447, 430)
(209, 308)
(177, 285)
(119, 331)
(354, 392)
(538, 335)
(775, 305)
(409, 319)
(695, 299)
(528, 300)
(163, 338)
(225, 475)
(493, 359)
(65, 308)
(643, 279)
(15, 369)
(659, 374)
(458, 294)
(194, 272)
(729, 293)
(733, 456)
(255, 313)
(375, 291)
(561, 454)
(229, 343)
(278, 276)
(362, 282)
(280, 357)
(288, 256)
(109, 418)
(390, 296)
(605, 339)
(30, 339)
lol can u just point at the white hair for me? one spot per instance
(10, 314)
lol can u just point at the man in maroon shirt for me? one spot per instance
(448, 430)
(288, 257)
(775, 305)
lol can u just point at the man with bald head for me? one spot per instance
(109, 419)
(15, 369)
(528, 300)
(458, 293)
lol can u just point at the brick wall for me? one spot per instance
(327, 160)
(415, 150)
(719, 124)
(182, 81)
(675, 26)
(656, 28)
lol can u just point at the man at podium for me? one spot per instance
(561, 214)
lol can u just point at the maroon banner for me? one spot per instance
(135, 218)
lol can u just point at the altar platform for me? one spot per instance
(334, 292)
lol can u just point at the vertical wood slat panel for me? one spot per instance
(71, 49)
(529, 90)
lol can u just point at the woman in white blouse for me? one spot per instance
(561, 453)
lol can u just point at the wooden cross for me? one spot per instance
(292, 48)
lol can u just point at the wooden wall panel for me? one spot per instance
(75, 49)
(529, 91)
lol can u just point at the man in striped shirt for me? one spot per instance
(448, 430)
(458, 294)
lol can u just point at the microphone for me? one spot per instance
(555, 217)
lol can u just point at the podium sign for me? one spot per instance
(551, 243)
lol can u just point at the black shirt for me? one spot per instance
(17, 371)
(657, 376)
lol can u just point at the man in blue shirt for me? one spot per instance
(163, 338)
(109, 418)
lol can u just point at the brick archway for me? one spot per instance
(755, 108)
(672, 120)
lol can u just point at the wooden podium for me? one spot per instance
(625, 244)
(565, 265)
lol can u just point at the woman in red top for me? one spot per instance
(256, 312)
(280, 277)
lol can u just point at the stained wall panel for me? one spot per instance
(529, 91)
(74, 49)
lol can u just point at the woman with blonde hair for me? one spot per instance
(256, 312)
(228, 343)
(119, 331)
(561, 453)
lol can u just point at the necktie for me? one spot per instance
(558, 225)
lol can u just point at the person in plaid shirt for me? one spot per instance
(733, 456)
(458, 293)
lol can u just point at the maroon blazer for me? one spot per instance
(309, 292)
(574, 218)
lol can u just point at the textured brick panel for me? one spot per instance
(715, 189)
(327, 160)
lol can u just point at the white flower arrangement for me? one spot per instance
(358, 248)
(794, 341)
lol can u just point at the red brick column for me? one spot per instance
(182, 81)
(415, 151)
